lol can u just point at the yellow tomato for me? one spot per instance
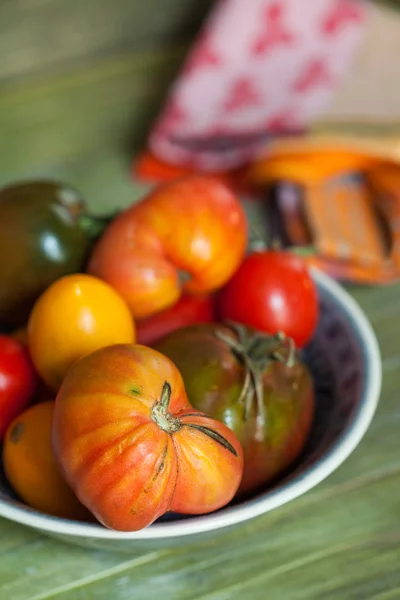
(75, 316)
(31, 468)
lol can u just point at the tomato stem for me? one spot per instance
(256, 350)
(165, 396)
(160, 414)
(184, 277)
(94, 225)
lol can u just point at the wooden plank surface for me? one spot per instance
(341, 541)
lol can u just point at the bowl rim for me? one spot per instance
(282, 494)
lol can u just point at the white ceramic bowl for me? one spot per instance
(345, 360)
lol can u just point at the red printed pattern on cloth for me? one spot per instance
(343, 13)
(203, 56)
(273, 30)
(258, 66)
(314, 74)
(242, 94)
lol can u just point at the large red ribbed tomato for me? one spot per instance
(189, 235)
(132, 447)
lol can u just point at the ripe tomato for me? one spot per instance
(188, 310)
(31, 468)
(272, 291)
(43, 391)
(75, 316)
(132, 447)
(18, 380)
(193, 229)
(252, 382)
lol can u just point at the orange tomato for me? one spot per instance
(75, 316)
(132, 447)
(189, 235)
(31, 468)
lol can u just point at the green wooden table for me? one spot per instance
(79, 84)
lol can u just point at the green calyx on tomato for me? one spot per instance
(163, 418)
(160, 414)
(255, 351)
(45, 233)
(254, 383)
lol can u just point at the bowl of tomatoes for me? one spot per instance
(133, 421)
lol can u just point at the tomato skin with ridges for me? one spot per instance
(113, 449)
(195, 227)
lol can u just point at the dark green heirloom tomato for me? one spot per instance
(45, 233)
(256, 384)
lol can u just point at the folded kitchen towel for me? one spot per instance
(259, 68)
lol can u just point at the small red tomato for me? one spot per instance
(273, 292)
(18, 380)
(132, 447)
(187, 311)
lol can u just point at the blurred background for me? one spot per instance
(82, 81)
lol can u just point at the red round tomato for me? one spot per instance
(132, 447)
(273, 292)
(18, 380)
(187, 311)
